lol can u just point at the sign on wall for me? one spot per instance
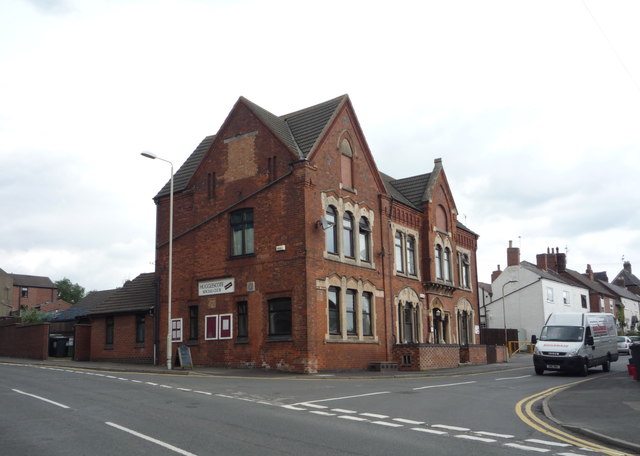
(214, 287)
(176, 330)
(218, 327)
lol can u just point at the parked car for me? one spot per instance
(623, 344)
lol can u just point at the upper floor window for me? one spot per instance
(24, 292)
(549, 294)
(411, 255)
(211, 185)
(447, 264)
(346, 164)
(367, 299)
(566, 297)
(441, 219)
(399, 252)
(583, 299)
(347, 238)
(365, 239)
(438, 261)
(331, 232)
(465, 278)
(242, 232)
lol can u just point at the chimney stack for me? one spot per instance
(589, 272)
(627, 266)
(513, 255)
(495, 274)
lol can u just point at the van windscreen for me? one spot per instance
(562, 333)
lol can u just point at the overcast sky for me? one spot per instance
(533, 106)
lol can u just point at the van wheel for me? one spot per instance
(539, 370)
(584, 369)
(606, 366)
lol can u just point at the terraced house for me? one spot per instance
(292, 251)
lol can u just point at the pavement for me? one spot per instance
(612, 418)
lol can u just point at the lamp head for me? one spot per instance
(148, 155)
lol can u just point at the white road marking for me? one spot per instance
(547, 442)
(386, 423)
(166, 386)
(492, 434)
(343, 411)
(352, 418)
(293, 407)
(151, 383)
(150, 439)
(512, 378)
(125, 379)
(308, 404)
(184, 389)
(473, 437)
(570, 454)
(526, 448)
(374, 415)
(402, 420)
(442, 386)
(136, 381)
(429, 431)
(320, 412)
(42, 399)
(451, 428)
(343, 397)
(203, 392)
(111, 376)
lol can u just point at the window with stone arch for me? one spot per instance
(439, 323)
(409, 317)
(331, 233)
(465, 323)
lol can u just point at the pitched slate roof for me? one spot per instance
(588, 283)
(412, 188)
(299, 131)
(21, 280)
(85, 305)
(620, 291)
(548, 274)
(182, 177)
(626, 277)
(138, 295)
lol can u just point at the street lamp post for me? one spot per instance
(169, 328)
(504, 313)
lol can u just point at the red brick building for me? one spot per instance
(292, 251)
(29, 291)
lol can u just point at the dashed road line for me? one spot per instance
(451, 428)
(526, 447)
(386, 423)
(442, 386)
(473, 437)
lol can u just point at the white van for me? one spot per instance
(576, 342)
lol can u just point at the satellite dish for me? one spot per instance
(326, 224)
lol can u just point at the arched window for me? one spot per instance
(438, 262)
(331, 233)
(365, 239)
(347, 234)
(447, 264)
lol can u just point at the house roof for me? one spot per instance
(182, 177)
(21, 280)
(591, 285)
(628, 278)
(299, 131)
(620, 291)
(548, 274)
(84, 306)
(138, 295)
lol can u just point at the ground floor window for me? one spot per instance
(243, 320)
(350, 312)
(409, 319)
(140, 328)
(109, 323)
(280, 321)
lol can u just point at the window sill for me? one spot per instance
(280, 339)
(351, 340)
(242, 341)
(139, 345)
(108, 347)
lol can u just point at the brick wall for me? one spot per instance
(82, 343)
(25, 341)
(124, 347)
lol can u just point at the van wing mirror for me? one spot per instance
(590, 340)
(534, 340)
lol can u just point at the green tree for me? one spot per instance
(70, 292)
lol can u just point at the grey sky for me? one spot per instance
(533, 106)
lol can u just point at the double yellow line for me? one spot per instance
(524, 410)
